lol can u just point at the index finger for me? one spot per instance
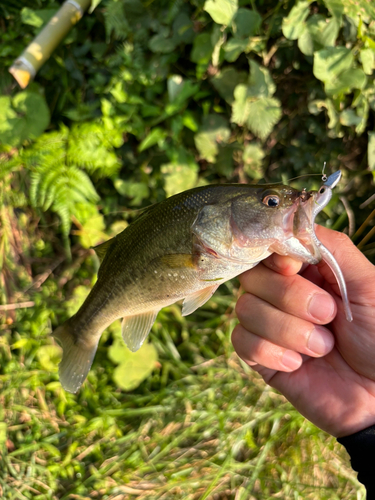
(283, 264)
(292, 294)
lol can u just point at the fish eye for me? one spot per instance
(271, 200)
(322, 190)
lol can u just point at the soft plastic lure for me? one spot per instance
(322, 199)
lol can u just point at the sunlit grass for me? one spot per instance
(202, 426)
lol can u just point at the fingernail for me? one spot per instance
(321, 307)
(320, 341)
(291, 360)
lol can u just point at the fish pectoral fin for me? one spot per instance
(177, 260)
(102, 249)
(77, 358)
(197, 299)
(136, 328)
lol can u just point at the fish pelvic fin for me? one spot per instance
(197, 299)
(136, 328)
(77, 358)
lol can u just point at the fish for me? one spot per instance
(184, 248)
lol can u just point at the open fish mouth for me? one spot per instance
(310, 204)
(303, 224)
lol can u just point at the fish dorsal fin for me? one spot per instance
(102, 249)
(197, 299)
(136, 328)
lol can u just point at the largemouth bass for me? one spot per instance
(184, 248)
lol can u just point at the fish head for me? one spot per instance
(256, 221)
(244, 225)
(264, 214)
(280, 218)
(304, 244)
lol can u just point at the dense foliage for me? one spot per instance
(140, 101)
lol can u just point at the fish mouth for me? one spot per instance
(303, 222)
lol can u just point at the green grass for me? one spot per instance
(202, 426)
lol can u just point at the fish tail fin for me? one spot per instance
(77, 359)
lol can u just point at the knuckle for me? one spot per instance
(236, 334)
(242, 307)
(288, 293)
(342, 238)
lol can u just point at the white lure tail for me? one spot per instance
(322, 200)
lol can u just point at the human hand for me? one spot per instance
(326, 372)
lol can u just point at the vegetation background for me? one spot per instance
(144, 99)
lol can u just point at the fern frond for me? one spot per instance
(91, 146)
(59, 184)
(115, 20)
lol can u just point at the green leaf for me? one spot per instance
(221, 11)
(234, 48)
(74, 303)
(174, 85)
(24, 117)
(3, 434)
(134, 367)
(316, 107)
(202, 49)
(94, 4)
(91, 233)
(260, 81)
(226, 80)
(246, 23)
(224, 160)
(306, 43)
(371, 151)
(183, 31)
(157, 135)
(264, 113)
(218, 39)
(349, 117)
(348, 80)
(365, 9)
(252, 158)
(336, 7)
(49, 357)
(260, 85)
(179, 91)
(367, 57)
(21, 343)
(91, 146)
(330, 62)
(36, 18)
(162, 43)
(293, 25)
(214, 131)
(241, 105)
(116, 21)
(179, 177)
(137, 191)
(323, 32)
(189, 120)
(52, 450)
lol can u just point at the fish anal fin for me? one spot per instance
(136, 328)
(77, 358)
(178, 260)
(102, 249)
(197, 299)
